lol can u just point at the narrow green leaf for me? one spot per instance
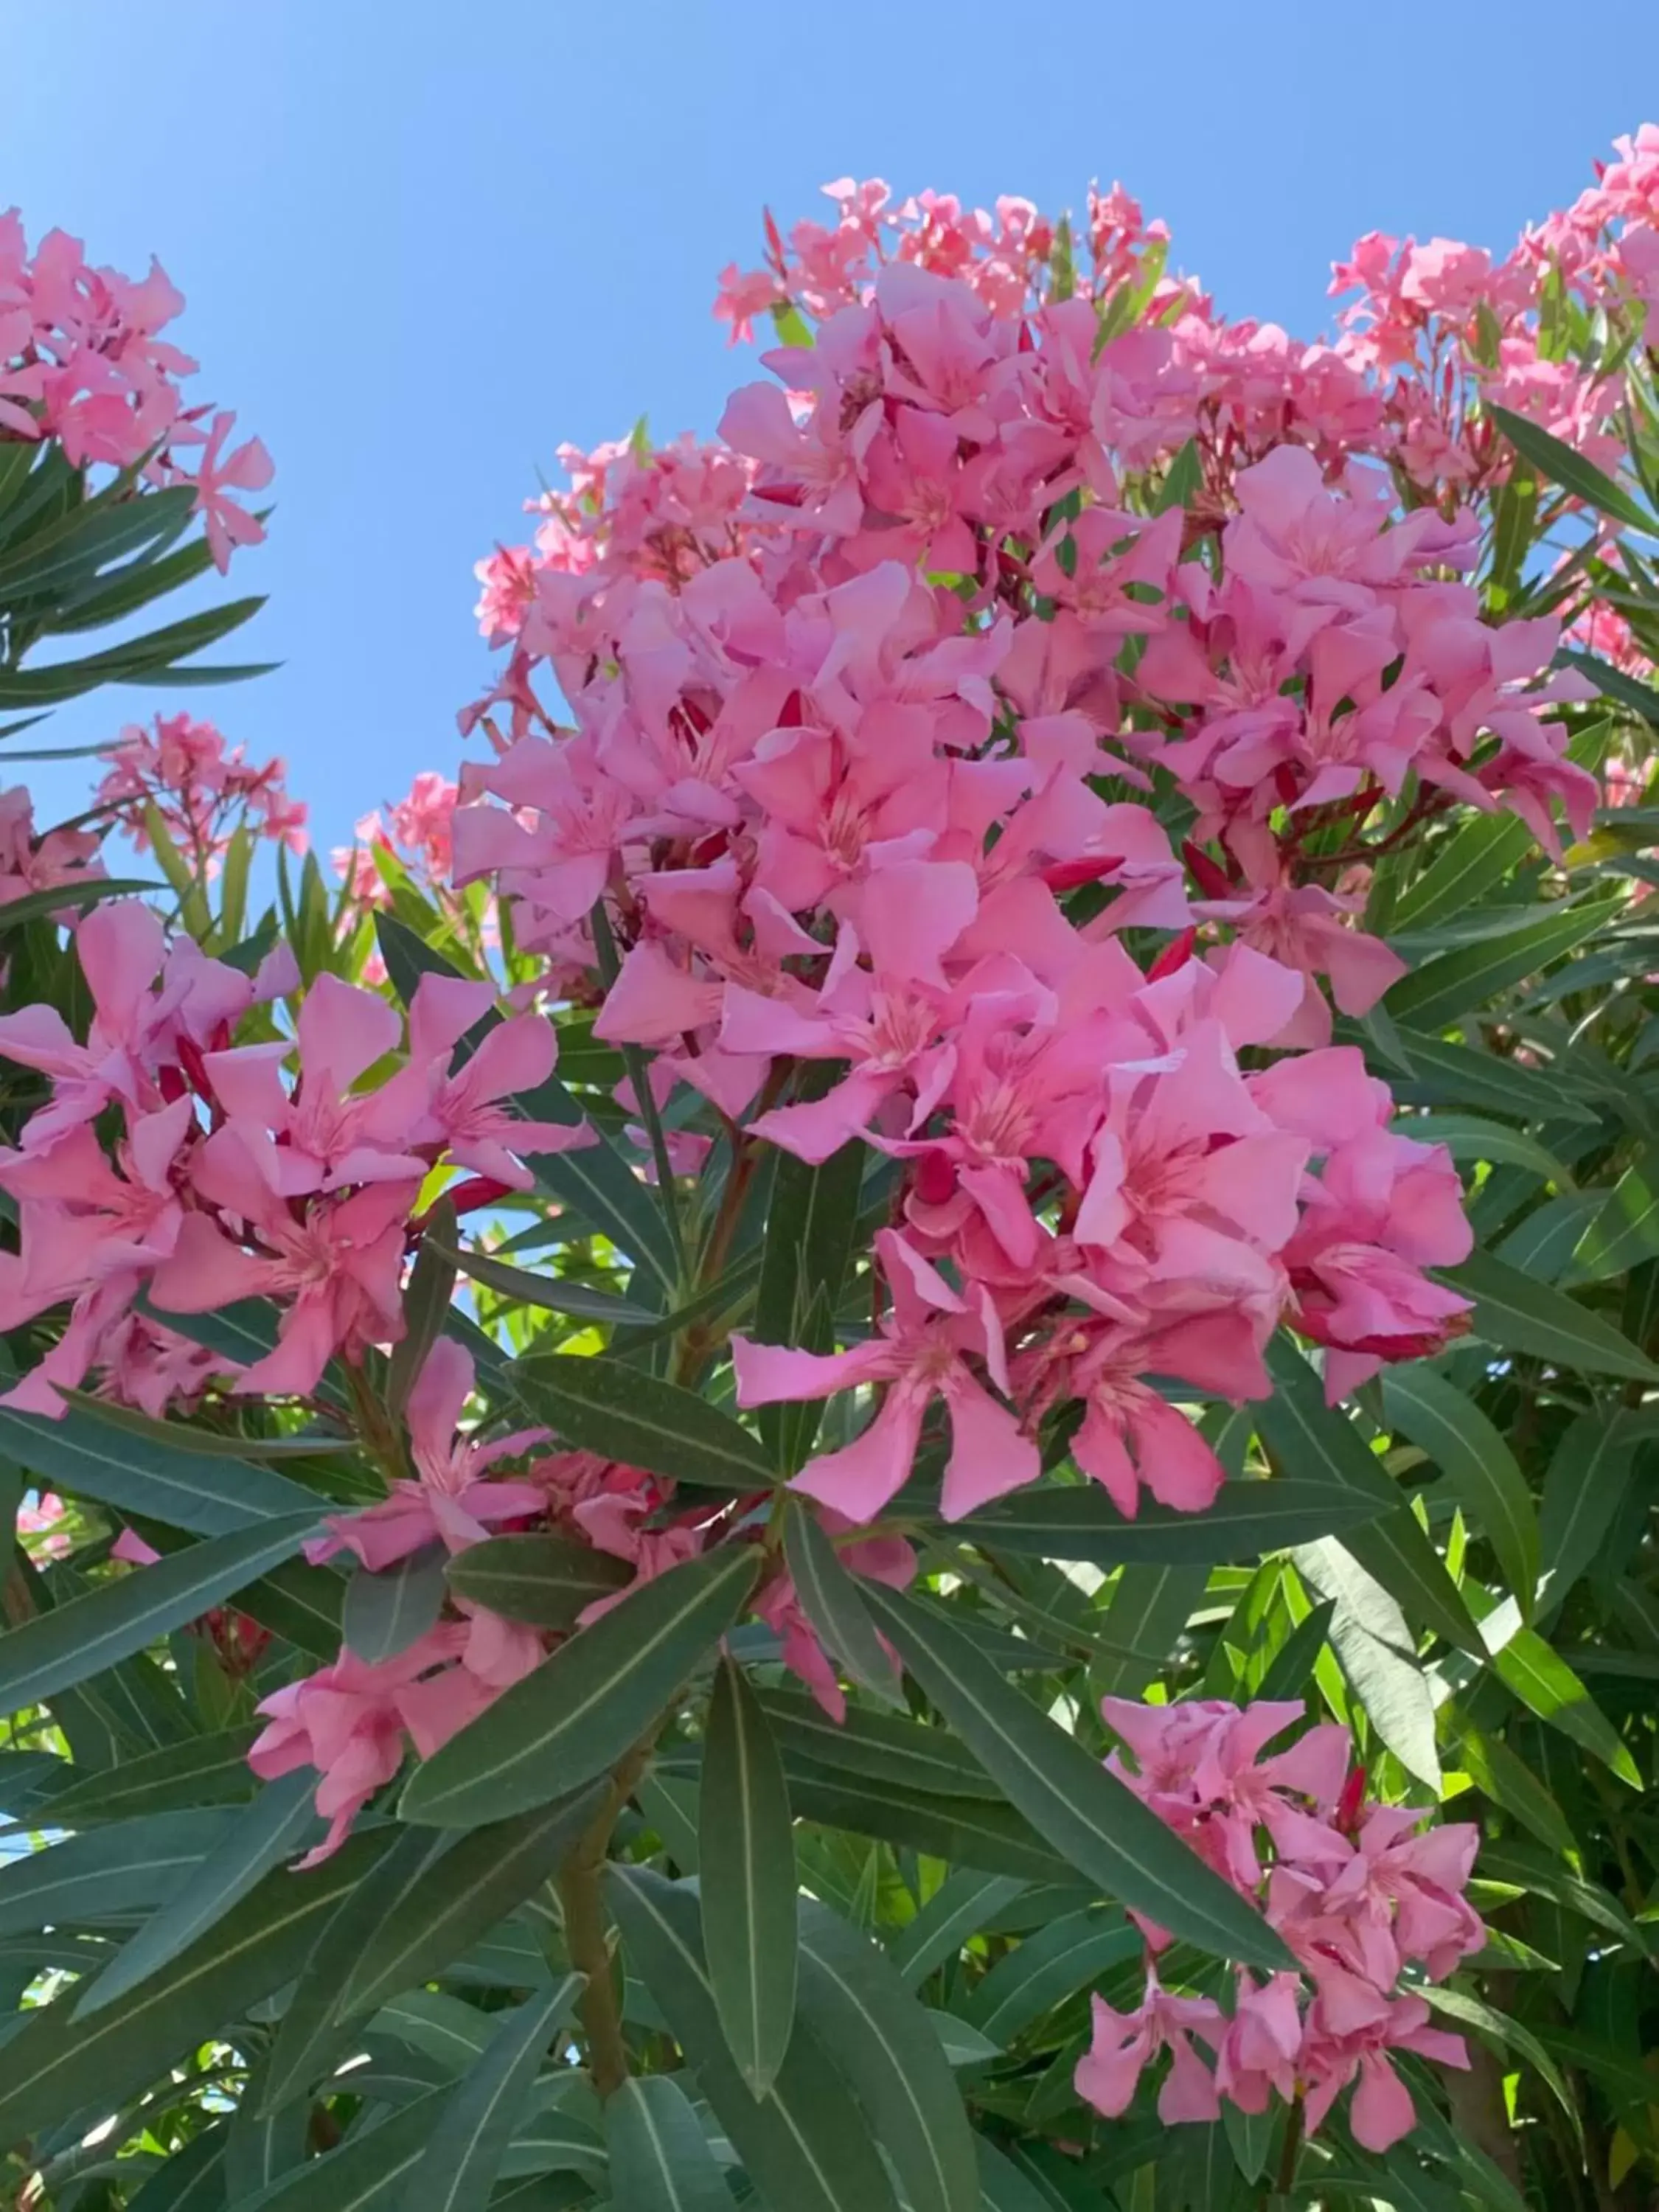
(265, 1833)
(448, 1903)
(1374, 1649)
(1626, 1229)
(89, 1633)
(1517, 1313)
(1503, 1776)
(68, 898)
(91, 1456)
(130, 1867)
(385, 1612)
(1466, 1137)
(464, 2153)
(206, 1769)
(880, 1745)
(1476, 1461)
(1247, 1518)
(546, 1580)
(1086, 1813)
(1547, 1685)
(57, 2065)
(803, 2143)
(602, 1405)
(587, 1703)
(745, 1843)
(1588, 1472)
(829, 1596)
(366, 2173)
(427, 1296)
(660, 2161)
(1047, 1966)
(209, 1443)
(1565, 466)
(804, 1260)
(855, 2000)
(548, 1293)
(1457, 983)
(962, 1904)
(1444, 1073)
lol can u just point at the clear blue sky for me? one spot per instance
(424, 242)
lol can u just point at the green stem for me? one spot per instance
(587, 1931)
(605, 947)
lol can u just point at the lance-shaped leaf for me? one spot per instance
(466, 2149)
(879, 1744)
(829, 1596)
(204, 1769)
(275, 1825)
(1081, 1523)
(1475, 1460)
(606, 1406)
(747, 1847)
(1626, 1229)
(805, 2142)
(953, 1915)
(854, 1999)
(660, 2161)
(385, 1612)
(368, 2174)
(131, 1867)
(1471, 862)
(810, 1227)
(1517, 1313)
(1588, 1473)
(1563, 465)
(89, 1633)
(548, 1293)
(91, 1457)
(57, 2065)
(546, 1580)
(1457, 982)
(588, 1704)
(1089, 1816)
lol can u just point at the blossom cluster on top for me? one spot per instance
(230, 1181)
(201, 788)
(1358, 1892)
(83, 360)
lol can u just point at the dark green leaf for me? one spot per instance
(1517, 1313)
(1458, 982)
(387, 1611)
(602, 1406)
(92, 1457)
(89, 1633)
(1565, 466)
(68, 898)
(1081, 1523)
(464, 2153)
(206, 1769)
(804, 1260)
(827, 1595)
(131, 1867)
(660, 2161)
(746, 1845)
(880, 1745)
(546, 1580)
(1476, 1461)
(1088, 1815)
(585, 1706)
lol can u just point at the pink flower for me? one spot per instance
(248, 468)
(1125, 2043)
(919, 1355)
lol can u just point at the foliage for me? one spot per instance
(997, 1550)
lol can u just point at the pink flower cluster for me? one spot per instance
(229, 1181)
(201, 788)
(1359, 1894)
(32, 861)
(83, 361)
(414, 834)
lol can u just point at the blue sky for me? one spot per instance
(423, 244)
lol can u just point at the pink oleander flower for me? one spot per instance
(201, 788)
(920, 1354)
(1125, 2044)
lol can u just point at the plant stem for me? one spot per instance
(1292, 2151)
(586, 1927)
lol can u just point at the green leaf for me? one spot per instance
(587, 1703)
(970, 1831)
(804, 1260)
(1474, 859)
(385, 1612)
(366, 2173)
(1629, 690)
(1301, 1432)
(426, 1298)
(546, 1580)
(548, 1293)
(81, 1638)
(1247, 1518)
(1466, 1137)
(745, 1841)
(1569, 469)
(1048, 1966)
(210, 1444)
(829, 1596)
(1005, 2189)
(959, 1908)
(1547, 1685)
(92, 1457)
(447, 1905)
(1457, 983)
(464, 2153)
(68, 898)
(1506, 1779)
(803, 2143)
(1475, 1460)
(1374, 1649)
(1086, 1813)
(131, 1867)
(57, 2065)
(1508, 2034)
(139, 657)
(1442, 1071)
(266, 1832)
(1517, 1313)
(660, 2161)
(1626, 1229)
(855, 2000)
(602, 1405)
(207, 1770)
(1583, 1489)
(880, 1745)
